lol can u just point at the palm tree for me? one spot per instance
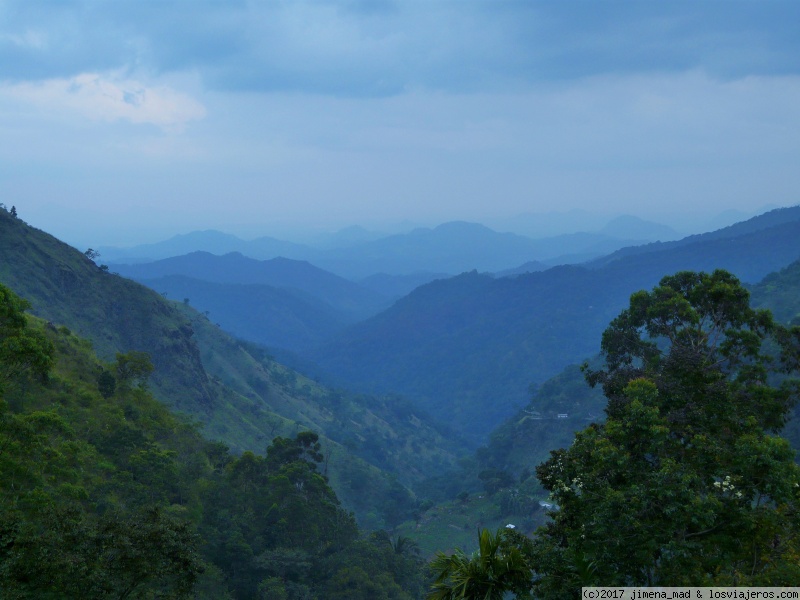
(495, 568)
(404, 545)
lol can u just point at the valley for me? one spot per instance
(432, 409)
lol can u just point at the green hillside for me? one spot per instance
(780, 292)
(106, 494)
(526, 440)
(194, 361)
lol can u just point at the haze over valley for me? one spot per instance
(398, 300)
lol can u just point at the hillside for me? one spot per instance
(119, 315)
(105, 493)
(526, 438)
(558, 408)
(280, 302)
(262, 314)
(467, 348)
(352, 300)
(780, 293)
(767, 220)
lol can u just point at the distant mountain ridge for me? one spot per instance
(212, 241)
(779, 216)
(468, 347)
(630, 227)
(351, 299)
(451, 248)
(262, 314)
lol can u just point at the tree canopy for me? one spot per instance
(106, 494)
(685, 483)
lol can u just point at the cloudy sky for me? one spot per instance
(125, 121)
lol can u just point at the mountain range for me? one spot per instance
(492, 356)
(376, 445)
(278, 302)
(467, 348)
(450, 248)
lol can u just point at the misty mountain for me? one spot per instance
(397, 286)
(351, 300)
(468, 347)
(239, 393)
(257, 313)
(550, 224)
(777, 217)
(731, 217)
(532, 266)
(628, 227)
(459, 247)
(348, 236)
(211, 241)
(527, 437)
(451, 248)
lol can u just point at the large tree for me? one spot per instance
(686, 482)
(22, 349)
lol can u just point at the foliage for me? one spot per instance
(779, 293)
(21, 349)
(107, 494)
(238, 393)
(685, 483)
(500, 565)
(133, 368)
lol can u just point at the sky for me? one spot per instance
(128, 121)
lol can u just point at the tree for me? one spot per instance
(13, 211)
(92, 254)
(106, 384)
(22, 349)
(500, 565)
(133, 368)
(686, 482)
(304, 446)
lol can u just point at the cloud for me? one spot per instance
(30, 38)
(382, 48)
(109, 98)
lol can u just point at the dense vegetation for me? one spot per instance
(686, 482)
(527, 438)
(105, 493)
(376, 446)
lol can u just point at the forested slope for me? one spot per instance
(105, 493)
(467, 348)
(119, 315)
(526, 439)
(351, 300)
